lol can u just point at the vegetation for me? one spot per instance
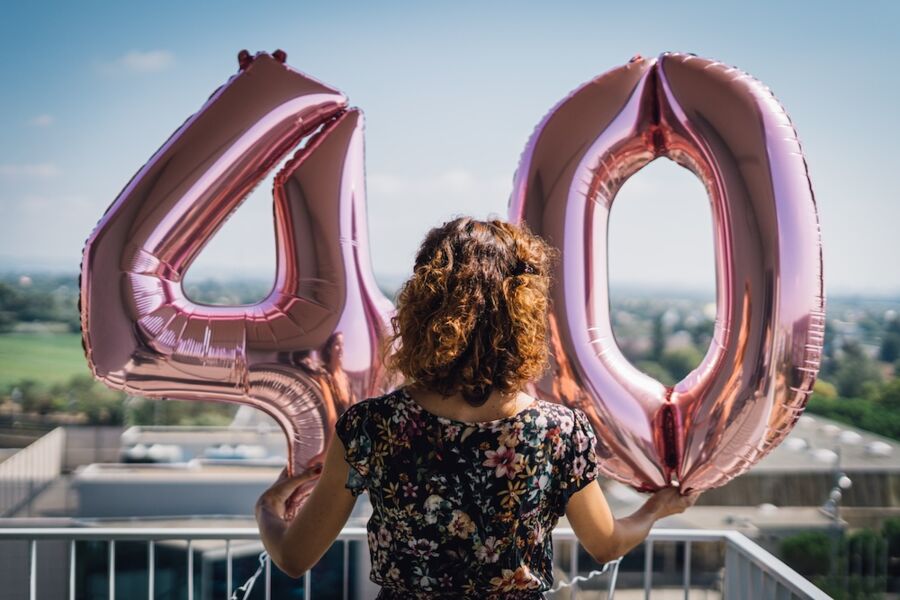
(855, 385)
(49, 357)
(854, 566)
(43, 371)
(878, 412)
(42, 357)
(84, 399)
(45, 299)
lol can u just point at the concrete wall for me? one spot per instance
(90, 444)
(784, 488)
(155, 497)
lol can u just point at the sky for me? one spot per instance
(451, 93)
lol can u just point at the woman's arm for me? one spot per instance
(297, 545)
(607, 538)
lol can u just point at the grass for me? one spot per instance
(47, 357)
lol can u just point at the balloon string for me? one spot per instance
(579, 578)
(247, 586)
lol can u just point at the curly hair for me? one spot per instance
(473, 317)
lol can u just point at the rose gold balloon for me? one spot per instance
(753, 383)
(143, 335)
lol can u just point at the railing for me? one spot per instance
(30, 469)
(749, 571)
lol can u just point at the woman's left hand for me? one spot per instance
(299, 521)
(275, 499)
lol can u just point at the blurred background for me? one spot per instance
(451, 93)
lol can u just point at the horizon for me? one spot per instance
(393, 281)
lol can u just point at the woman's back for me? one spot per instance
(464, 509)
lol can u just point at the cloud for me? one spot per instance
(44, 120)
(35, 171)
(137, 61)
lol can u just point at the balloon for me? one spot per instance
(754, 381)
(143, 335)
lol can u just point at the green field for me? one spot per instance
(46, 357)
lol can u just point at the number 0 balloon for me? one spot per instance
(142, 334)
(754, 380)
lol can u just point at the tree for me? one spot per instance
(854, 370)
(825, 389)
(35, 397)
(890, 530)
(889, 395)
(100, 404)
(890, 347)
(656, 371)
(680, 362)
(809, 553)
(658, 338)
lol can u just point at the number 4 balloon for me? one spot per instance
(140, 331)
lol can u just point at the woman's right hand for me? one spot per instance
(670, 501)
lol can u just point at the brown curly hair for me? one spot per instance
(473, 317)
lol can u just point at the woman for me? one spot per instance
(467, 474)
(332, 354)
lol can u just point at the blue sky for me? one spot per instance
(451, 92)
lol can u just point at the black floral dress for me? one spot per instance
(464, 510)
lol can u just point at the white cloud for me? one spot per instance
(137, 61)
(37, 171)
(44, 120)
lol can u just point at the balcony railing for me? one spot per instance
(747, 571)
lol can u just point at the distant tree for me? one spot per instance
(890, 530)
(869, 325)
(890, 347)
(828, 343)
(825, 389)
(892, 325)
(656, 371)
(854, 370)
(657, 337)
(889, 395)
(878, 415)
(865, 549)
(157, 411)
(35, 397)
(681, 361)
(7, 321)
(809, 553)
(100, 404)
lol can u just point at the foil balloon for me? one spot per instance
(754, 380)
(142, 334)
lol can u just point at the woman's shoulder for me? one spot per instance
(374, 404)
(558, 415)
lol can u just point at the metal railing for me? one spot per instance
(749, 571)
(29, 470)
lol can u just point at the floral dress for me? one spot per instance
(464, 510)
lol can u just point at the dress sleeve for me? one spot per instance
(580, 463)
(353, 429)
